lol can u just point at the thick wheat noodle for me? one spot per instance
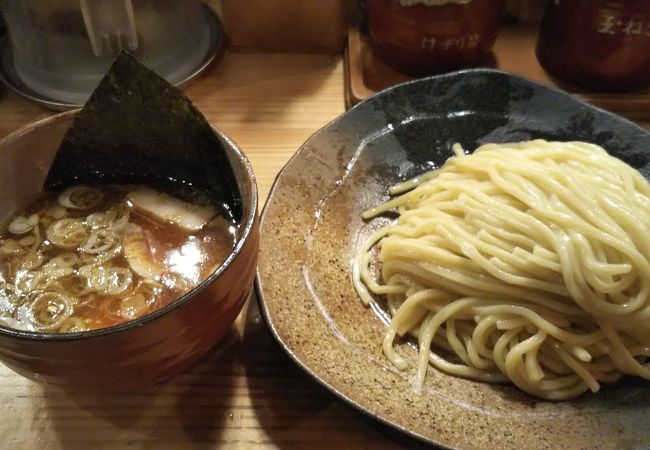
(525, 262)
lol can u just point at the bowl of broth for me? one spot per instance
(118, 285)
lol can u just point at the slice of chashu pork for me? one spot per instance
(138, 254)
(166, 209)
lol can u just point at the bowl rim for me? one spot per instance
(248, 222)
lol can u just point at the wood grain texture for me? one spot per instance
(247, 393)
(307, 26)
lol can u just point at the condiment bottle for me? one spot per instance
(420, 37)
(599, 44)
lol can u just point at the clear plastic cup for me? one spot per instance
(62, 48)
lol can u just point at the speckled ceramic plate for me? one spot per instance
(311, 227)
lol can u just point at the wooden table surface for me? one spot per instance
(247, 393)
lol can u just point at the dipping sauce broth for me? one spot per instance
(91, 257)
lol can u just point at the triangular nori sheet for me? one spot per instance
(138, 128)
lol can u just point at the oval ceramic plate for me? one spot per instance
(311, 227)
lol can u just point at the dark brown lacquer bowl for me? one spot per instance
(153, 347)
(600, 44)
(311, 228)
(423, 40)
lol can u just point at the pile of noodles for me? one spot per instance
(525, 262)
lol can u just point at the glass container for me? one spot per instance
(421, 37)
(62, 48)
(598, 44)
